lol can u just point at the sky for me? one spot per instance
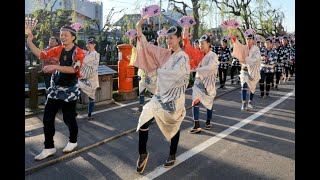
(129, 6)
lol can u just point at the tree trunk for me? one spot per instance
(196, 18)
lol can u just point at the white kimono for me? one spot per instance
(204, 88)
(167, 106)
(252, 63)
(89, 81)
(148, 81)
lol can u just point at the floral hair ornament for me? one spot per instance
(258, 39)
(249, 33)
(226, 39)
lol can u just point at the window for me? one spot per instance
(60, 3)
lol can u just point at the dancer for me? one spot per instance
(204, 89)
(167, 106)
(63, 91)
(249, 57)
(235, 66)
(147, 81)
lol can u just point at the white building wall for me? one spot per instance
(85, 7)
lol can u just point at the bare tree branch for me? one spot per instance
(184, 6)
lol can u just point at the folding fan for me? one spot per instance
(77, 26)
(30, 23)
(186, 21)
(131, 34)
(150, 11)
(230, 24)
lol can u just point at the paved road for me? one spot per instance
(257, 144)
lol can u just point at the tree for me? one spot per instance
(48, 21)
(195, 9)
(101, 33)
(262, 18)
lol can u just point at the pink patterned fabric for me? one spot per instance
(240, 51)
(150, 57)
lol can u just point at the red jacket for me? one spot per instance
(55, 52)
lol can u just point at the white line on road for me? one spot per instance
(120, 105)
(188, 154)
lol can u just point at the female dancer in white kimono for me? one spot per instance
(147, 82)
(250, 58)
(204, 89)
(89, 80)
(167, 106)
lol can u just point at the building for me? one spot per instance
(176, 15)
(167, 19)
(85, 9)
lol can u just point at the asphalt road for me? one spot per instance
(255, 144)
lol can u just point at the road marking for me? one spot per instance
(188, 154)
(120, 105)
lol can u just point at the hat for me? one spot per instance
(269, 39)
(258, 39)
(226, 39)
(91, 41)
(196, 41)
(204, 37)
(249, 33)
(277, 40)
(250, 36)
(285, 38)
